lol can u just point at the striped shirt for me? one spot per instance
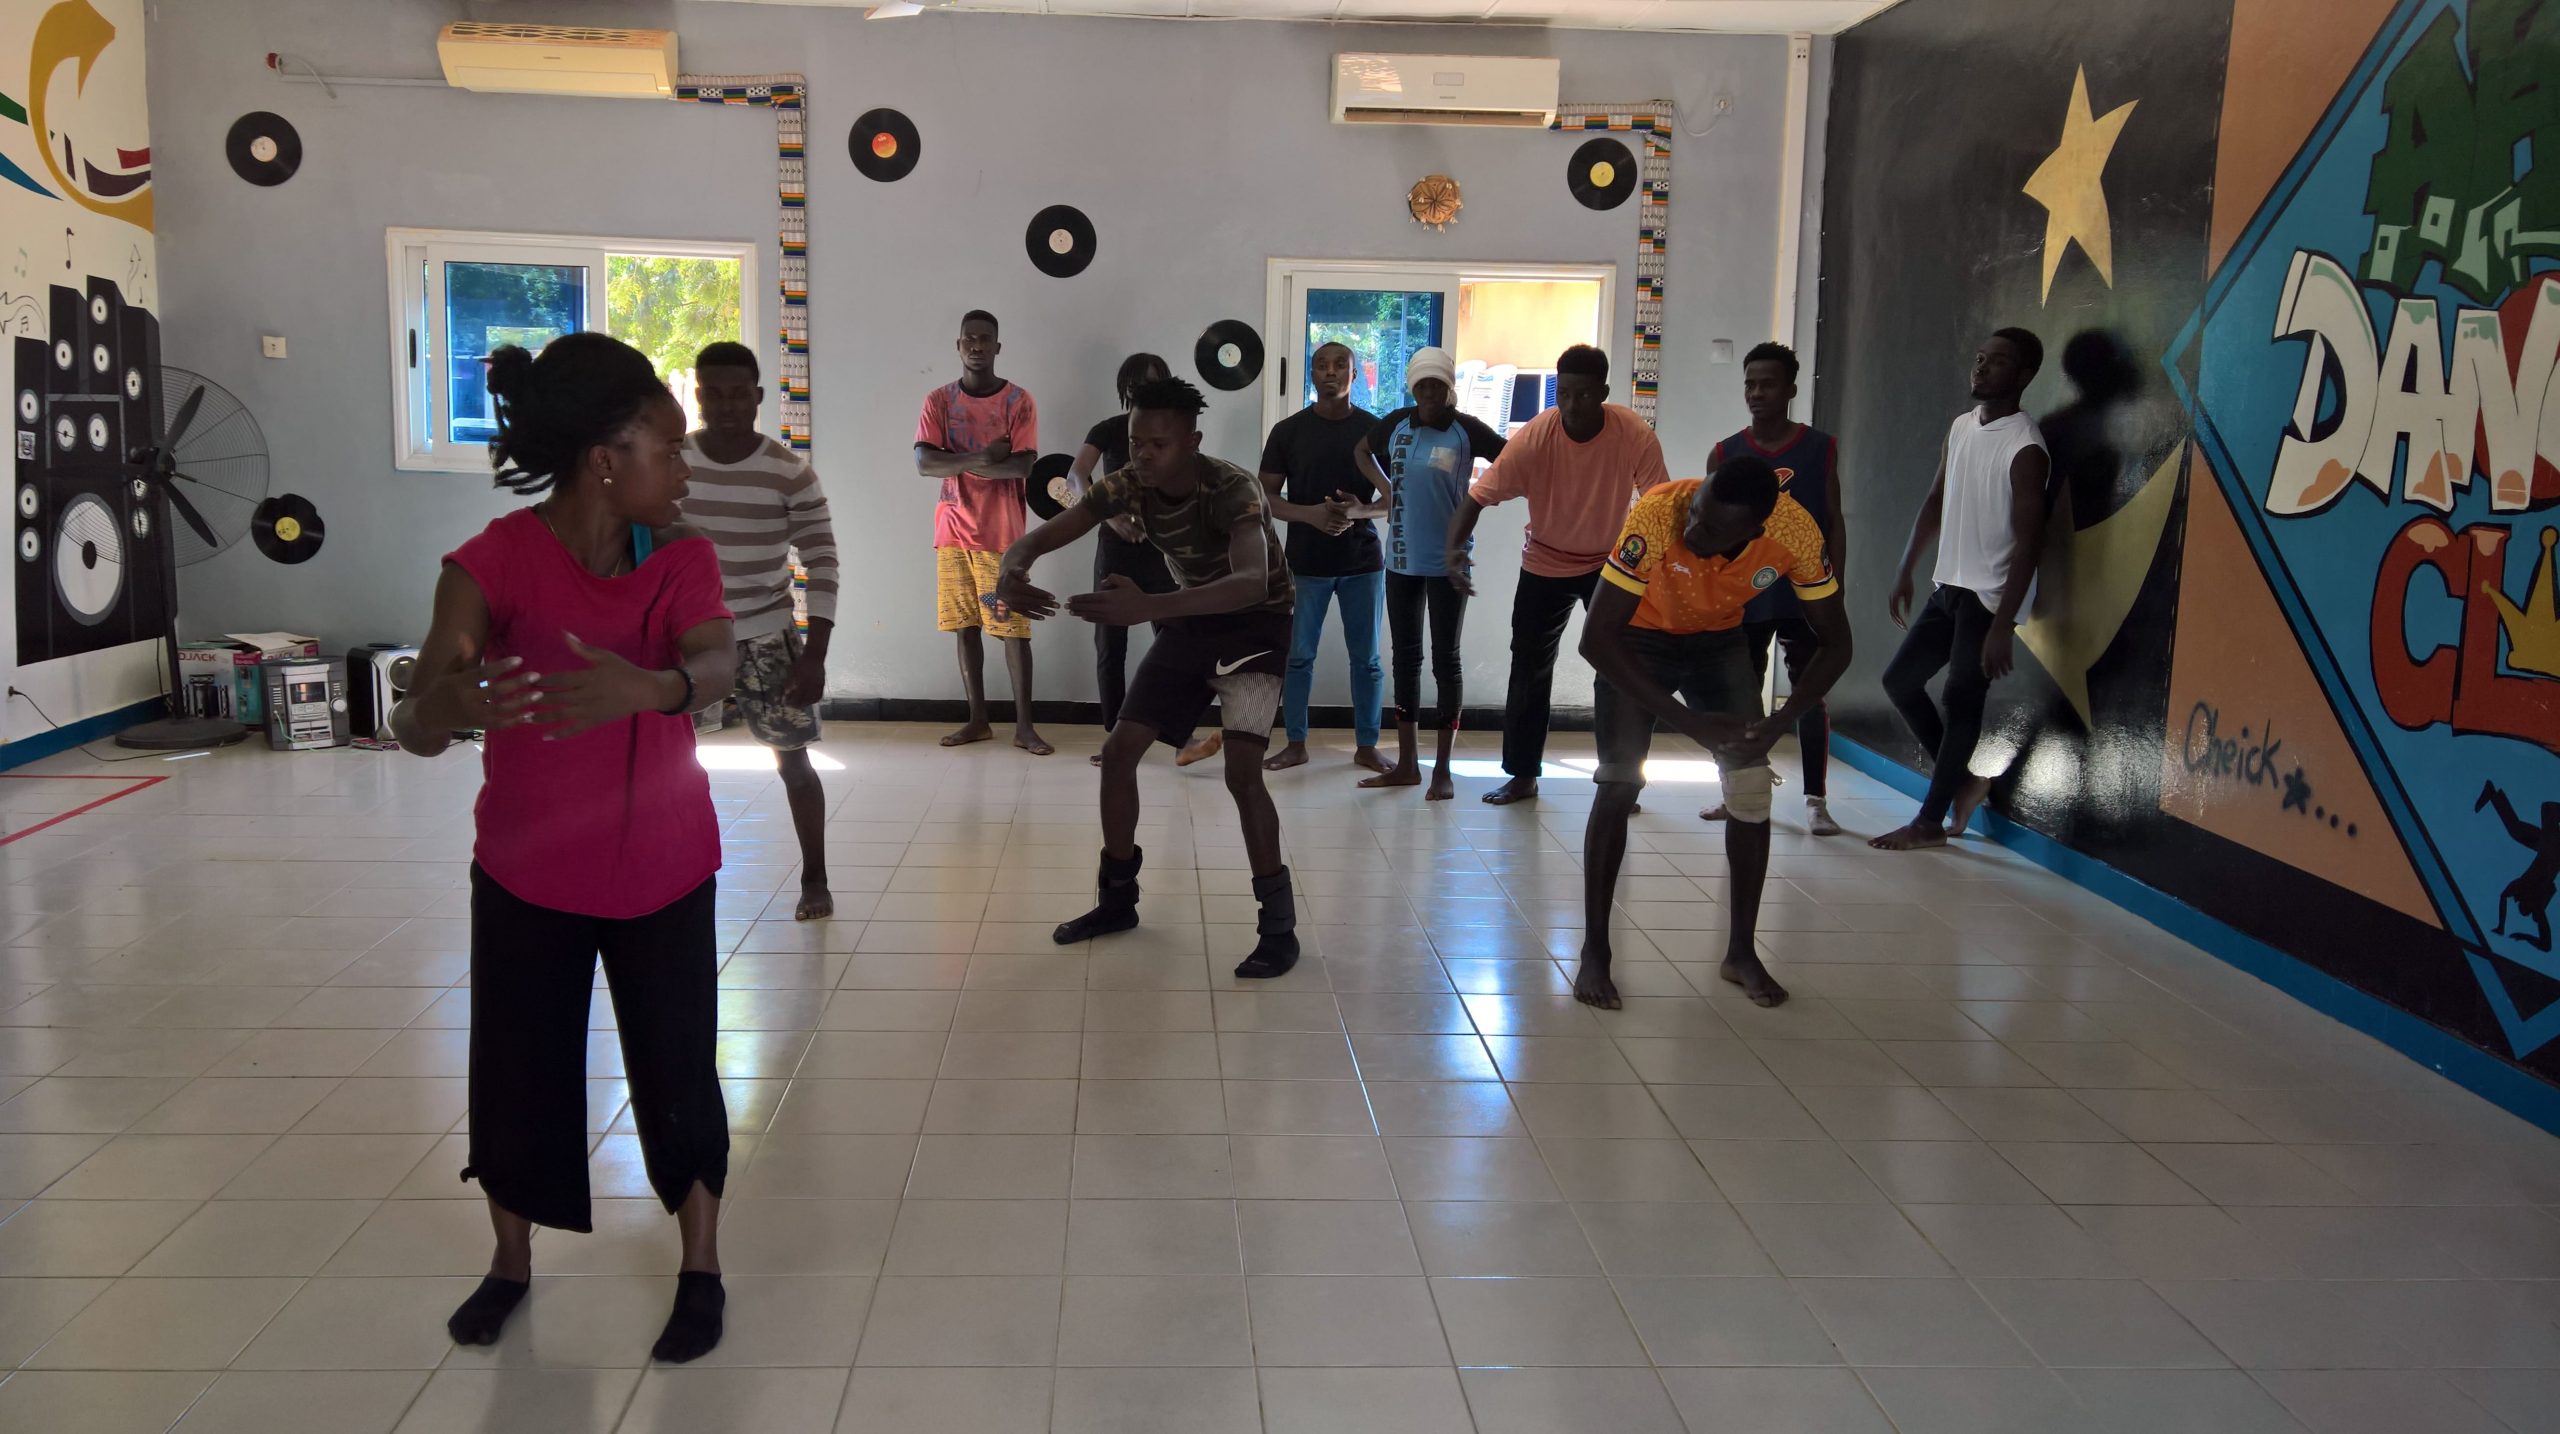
(757, 512)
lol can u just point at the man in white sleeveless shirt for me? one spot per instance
(1986, 511)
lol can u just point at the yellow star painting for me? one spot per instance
(2066, 184)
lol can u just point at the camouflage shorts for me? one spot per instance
(764, 676)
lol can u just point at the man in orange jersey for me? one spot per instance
(1665, 636)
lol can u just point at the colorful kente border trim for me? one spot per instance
(787, 96)
(1653, 120)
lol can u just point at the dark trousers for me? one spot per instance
(1796, 644)
(1948, 633)
(1408, 598)
(1539, 610)
(532, 976)
(1140, 563)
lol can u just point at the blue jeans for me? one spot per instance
(1359, 595)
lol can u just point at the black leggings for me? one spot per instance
(1407, 597)
(1797, 644)
(1140, 563)
(532, 977)
(1948, 633)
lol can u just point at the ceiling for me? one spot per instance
(1752, 17)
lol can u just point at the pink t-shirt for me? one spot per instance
(1578, 493)
(983, 515)
(616, 821)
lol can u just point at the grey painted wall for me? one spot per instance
(1200, 150)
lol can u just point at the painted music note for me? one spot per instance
(66, 247)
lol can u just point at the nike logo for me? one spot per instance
(1228, 669)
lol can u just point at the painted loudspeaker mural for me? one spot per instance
(76, 297)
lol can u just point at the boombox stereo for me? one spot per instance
(378, 676)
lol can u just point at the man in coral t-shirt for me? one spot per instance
(979, 436)
(1580, 464)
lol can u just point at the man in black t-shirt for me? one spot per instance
(1332, 547)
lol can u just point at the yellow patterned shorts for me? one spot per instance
(960, 578)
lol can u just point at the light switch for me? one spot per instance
(271, 345)
(1721, 351)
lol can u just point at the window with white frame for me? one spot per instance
(455, 296)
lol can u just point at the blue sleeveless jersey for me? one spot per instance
(1806, 470)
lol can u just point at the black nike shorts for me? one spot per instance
(1236, 659)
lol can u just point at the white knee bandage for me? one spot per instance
(1746, 793)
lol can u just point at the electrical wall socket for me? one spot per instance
(271, 345)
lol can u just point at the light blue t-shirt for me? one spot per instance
(1430, 468)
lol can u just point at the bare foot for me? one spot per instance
(1032, 742)
(1592, 987)
(1715, 813)
(1201, 750)
(1293, 755)
(1441, 788)
(1746, 971)
(1395, 777)
(1368, 757)
(1969, 798)
(1518, 789)
(1909, 838)
(816, 904)
(1095, 759)
(974, 732)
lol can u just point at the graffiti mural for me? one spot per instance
(2373, 394)
(80, 341)
(2296, 647)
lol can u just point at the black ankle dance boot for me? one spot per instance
(1277, 951)
(1115, 907)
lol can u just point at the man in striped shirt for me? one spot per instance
(759, 501)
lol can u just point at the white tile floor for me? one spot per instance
(2010, 1161)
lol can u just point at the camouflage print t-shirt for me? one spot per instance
(1193, 534)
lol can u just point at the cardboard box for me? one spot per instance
(220, 679)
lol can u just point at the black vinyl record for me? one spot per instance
(1602, 174)
(287, 528)
(1047, 490)
(1229, 354)
(1060, 241)
(885, 146)
(264, 148)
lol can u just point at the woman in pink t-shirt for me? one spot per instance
(580, 634)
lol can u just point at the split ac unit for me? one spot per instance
(1510, 91)
(559, 60)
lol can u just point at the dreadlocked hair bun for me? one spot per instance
(581, 391)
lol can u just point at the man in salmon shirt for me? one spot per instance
(1580, 464)
(978, 435)
(1666, 638)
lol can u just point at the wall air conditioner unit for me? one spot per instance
(1445, 89)
(559, 60)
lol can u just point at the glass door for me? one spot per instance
(1383, 316)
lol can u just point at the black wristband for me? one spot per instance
(684, 704)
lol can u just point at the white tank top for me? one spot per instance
(1974, 533)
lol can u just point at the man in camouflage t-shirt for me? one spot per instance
(1221, 636)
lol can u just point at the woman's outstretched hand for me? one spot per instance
(609, 689)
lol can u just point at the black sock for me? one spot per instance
(693, 1326)
(1277, 950)
(478, 1319)
(1115, 901)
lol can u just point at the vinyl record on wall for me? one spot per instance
(1047, 491)
(263, 148)
(885, 146)
(287, 528)
(1229, 354)
(1060, 241)
(1602, 175)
